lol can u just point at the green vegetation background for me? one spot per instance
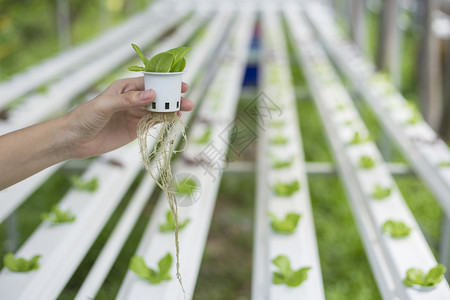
(226, 269)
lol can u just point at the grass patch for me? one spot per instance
(345, 269)
(226, 267)
(425, 208)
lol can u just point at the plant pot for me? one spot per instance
(167, 87)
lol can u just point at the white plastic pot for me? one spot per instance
(167, 87)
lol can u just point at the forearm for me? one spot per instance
(32, 149)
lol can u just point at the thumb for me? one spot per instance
(132, 99)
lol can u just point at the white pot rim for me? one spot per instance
(162, 74)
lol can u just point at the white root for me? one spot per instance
(157, 161)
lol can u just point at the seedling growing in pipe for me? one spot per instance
(21, 264)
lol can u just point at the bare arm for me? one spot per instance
(95, 127)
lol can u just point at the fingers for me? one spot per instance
(184, 87)
(126, 85)
(186, 104)
(127, 100)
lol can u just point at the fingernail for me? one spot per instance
(147, 94)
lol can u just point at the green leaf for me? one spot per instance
(286, 189)
(136, 69)
(164, 265)
(283, 263)
(186, 187)
(178, 53)
(287, 275)
(298, 277)
(138, 266)
(169, 226)
(366, 162)
(139, 52)
(279, 140)
(160, 63)
(380, 192)
(415, 276)
(434, 276)
(205, 138)
(280, 164)
(358, 139)
(178, 66)
(57, 216)
(84, 185)
(277, 123)
(277, 278)
(286, 225)
(179, 62)
(396, 228)
(444, 164)
(21, 264)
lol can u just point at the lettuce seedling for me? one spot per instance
(279, 140)
(444, 164)
(286, 275)
(286, 189)
(380, 192)
(21, 264)
(348, 122)
(416, 118)
(138, 266)
(169, 61)
(418, 277)
(84, 185)
(57, 216)
(277, 123)
(396, 229)
(169, 226)
(340, 106)
(280, 164)
(186, 187)
(358, 139)
(205, 138)
(286, 225)
(366, 162)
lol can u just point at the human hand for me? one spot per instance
(110, 120)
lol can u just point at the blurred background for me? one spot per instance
(408, 40)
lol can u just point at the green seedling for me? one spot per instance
(277, 123)
(280, 164)
(57, 216)
(279, 140)
(286, 275)
(348, 122)
(416, 118)
(205, 138)
(186, 187)
(396, 229)
(366, 162)
(358, 139)
(138, 266)
(21, 264)
(418, 277)
(380, 192)
(340, 107)
(286, 225)
(84, 185)
(43, 89)
(169, 226)
(172, 60)
(286, 189)
(444, 164)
